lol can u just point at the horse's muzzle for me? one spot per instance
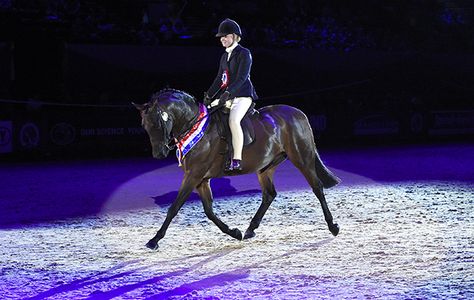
(160, 152)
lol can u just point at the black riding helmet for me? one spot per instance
(228, 26)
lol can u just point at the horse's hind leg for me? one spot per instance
(204, 190)
(318, 191)
(268, 194)
(308, 168)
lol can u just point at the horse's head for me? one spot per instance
(164, 117)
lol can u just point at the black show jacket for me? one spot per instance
(234, 75)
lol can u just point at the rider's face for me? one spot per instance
(227, 40)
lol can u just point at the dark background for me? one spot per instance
(364, 72)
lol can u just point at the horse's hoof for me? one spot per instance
(236, 234)
(249, 234)
(153, 245)
(334, 228)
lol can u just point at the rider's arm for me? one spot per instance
(243, 72)
(216, 85)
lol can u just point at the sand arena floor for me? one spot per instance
(76, 230)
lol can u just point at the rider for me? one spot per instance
(233, 84)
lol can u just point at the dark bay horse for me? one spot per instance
(281, 132)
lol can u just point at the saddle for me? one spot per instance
(222, 120)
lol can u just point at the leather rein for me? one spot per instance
(163, 118)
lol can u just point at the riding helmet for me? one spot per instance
(228, 26)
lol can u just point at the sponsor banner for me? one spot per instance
(58, 131)
(85, 131)
(110, 131)
(452, 122)
(378, 124)
(6, 136)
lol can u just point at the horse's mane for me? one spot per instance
(173, 94)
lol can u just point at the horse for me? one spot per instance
(281, 132)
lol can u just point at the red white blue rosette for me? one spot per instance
(193, 136)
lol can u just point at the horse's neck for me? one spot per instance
(185, 116)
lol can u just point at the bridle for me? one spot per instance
(164, 118)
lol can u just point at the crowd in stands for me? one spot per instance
(342, 26)
(332, 25)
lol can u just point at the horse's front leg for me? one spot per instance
(183, 194)
(204, 190)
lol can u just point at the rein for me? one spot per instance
(172, 142)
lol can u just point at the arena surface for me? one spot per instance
(77, 230)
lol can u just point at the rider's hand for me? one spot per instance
(224, 97)
(214, 103)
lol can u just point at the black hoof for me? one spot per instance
(334, 228)
(249, 234)
(152, 245)
(236, 234)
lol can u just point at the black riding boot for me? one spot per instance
(234, 165)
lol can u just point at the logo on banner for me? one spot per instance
(376, 125)
(452, 122)
(5, 136)
(29, 135)
(62, 134)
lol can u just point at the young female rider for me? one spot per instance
(233, 83)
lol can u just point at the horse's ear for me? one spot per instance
(141, 107)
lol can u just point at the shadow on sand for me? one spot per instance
(220, 279)
(221, 187)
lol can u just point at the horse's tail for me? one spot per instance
(324, 174)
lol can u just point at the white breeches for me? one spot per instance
(238, 109)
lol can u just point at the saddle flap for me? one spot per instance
(222, 120)
(247, 128)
